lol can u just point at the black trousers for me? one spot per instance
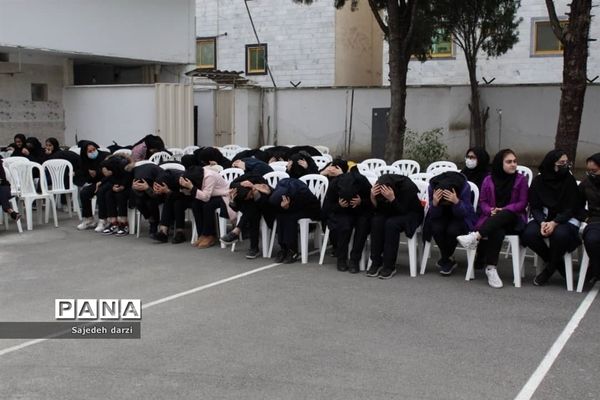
(565, 238)
(87, 193)
(116, 203)
(174, 210)
(5, 197)
(147, 206)
(204, 215)
(493, 232)
(445, 230)
(591, 241)
(341, 226)
(249, 222)
(287, 227)
(385, 238)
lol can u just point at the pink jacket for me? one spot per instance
(214, 185)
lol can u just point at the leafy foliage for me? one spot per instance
(425, 147)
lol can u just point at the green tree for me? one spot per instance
(408, 26)
(488, 26)
(574, 37)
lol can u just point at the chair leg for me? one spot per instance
(470, 264)
(138, 221)
(304, 239)
(324, 246)
(13, 203)
(585, 262)
(264, 238)
(412, 255)
(53, 205)
(272, 241)
(516, 260)
(29, 210)
(569, 271)
(425, 257)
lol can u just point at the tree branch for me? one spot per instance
(554, 22)
(377, 15)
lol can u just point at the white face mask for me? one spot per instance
(469, 163)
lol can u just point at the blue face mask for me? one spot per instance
(93, 155)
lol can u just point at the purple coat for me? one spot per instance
(517, 203)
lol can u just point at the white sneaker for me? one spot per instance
(87, 223)
(101, 225)
(469, 241)
(493, 278)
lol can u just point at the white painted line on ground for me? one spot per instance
(155, 302)
(540, 373)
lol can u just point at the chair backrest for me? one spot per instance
(75, 149)
(125, 152)
(328, 156)
(227, 153)
(322, 149)
(387, 169)
(176, 153)
(421, 176)
(370, 175)
(159, 157)
(231, 147)
(6, 154)
(229, 174)
(373, 163)
(274, 177)
(279, 166)
(142, 162)
(423, 193)
(14, 186)
(446, 165)
(407, 167)
(527, 172)
(265, 147)
(13, 160)
(23, 172)
(56, 170)
(317, 184)
(321, 161)
(174, 166)
(190, 149)
(475, 191)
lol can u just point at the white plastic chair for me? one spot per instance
(142, 162)
(124, 152)
(227, 153)
(371, 176)
(321, 161)
(265, 147)
(527, 172)
(387, 169)
(13, 202)
(23, 172)
(190, 149)
(231, 147)
(268, 240)
(322, 149)
(57, 169)
(229, 174)
(177, 153)
(159, 157)
(407, 167)
(446, 165)
(174, 166)
(373, 163)
(12, 160)
(279, 166)
(318, 185)
(75, 149)
(6, 154)
(421, 176)
(583, 267)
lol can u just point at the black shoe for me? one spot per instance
(252, 254)
(353, 267)
(387, 273)
(291, 257)
(179, 237)
(153, 229)
(373, 272)
(332, 252)
(15, 216)
(161, 237)
(110, 230)
(447, 268)
(123, 230)
(543, 277)
(280, 256)
(342, 265)
(229, 238)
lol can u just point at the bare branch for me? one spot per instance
(377, 15)
(554, 22)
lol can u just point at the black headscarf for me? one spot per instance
(596, 159)
(503, 182)
(36, 152)
(207, 154)
(556, 190)
(196, 175)
(296, 170)
(477, 174)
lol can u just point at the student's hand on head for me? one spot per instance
(285, 202)
(247, 184)
(118, 188)
(356, 201)
(450, 195)
(376, 189)
(140, 185)
(25, 152)
(343, 203)
(239, 164)
(388, 193)
(438, 194)
(303, 163)
(185, 183)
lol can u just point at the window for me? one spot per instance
(206, 53)
(442, 45)
(39, 92)
(3, 57)
(545, 42)
(256, 59)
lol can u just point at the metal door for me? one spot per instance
(224, 114)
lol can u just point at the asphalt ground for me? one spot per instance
(283, 332)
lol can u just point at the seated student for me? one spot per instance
(249, 194)
(252, 166)
(301, 164)
(117, 175)
(450, 214)
(146, 147)
(589, 191)
(397, 209)
(145, 199)
(175, 204)
(348, 207)
(51, 146)
(33, 150)
(211, 156)
(18, 145)
(213, 194)
(92, 177)
(553, 203)
(334, 169)
(277, 153)
(477, 167)
(75, 160)
(502, 205)
(5, 194)
(292, 201)
(253, 153)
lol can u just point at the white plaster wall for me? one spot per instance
(155, 30)
(300, 39)
(124, 114)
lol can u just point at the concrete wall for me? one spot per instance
(106, 113)
(157, 30)
(18, 114)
